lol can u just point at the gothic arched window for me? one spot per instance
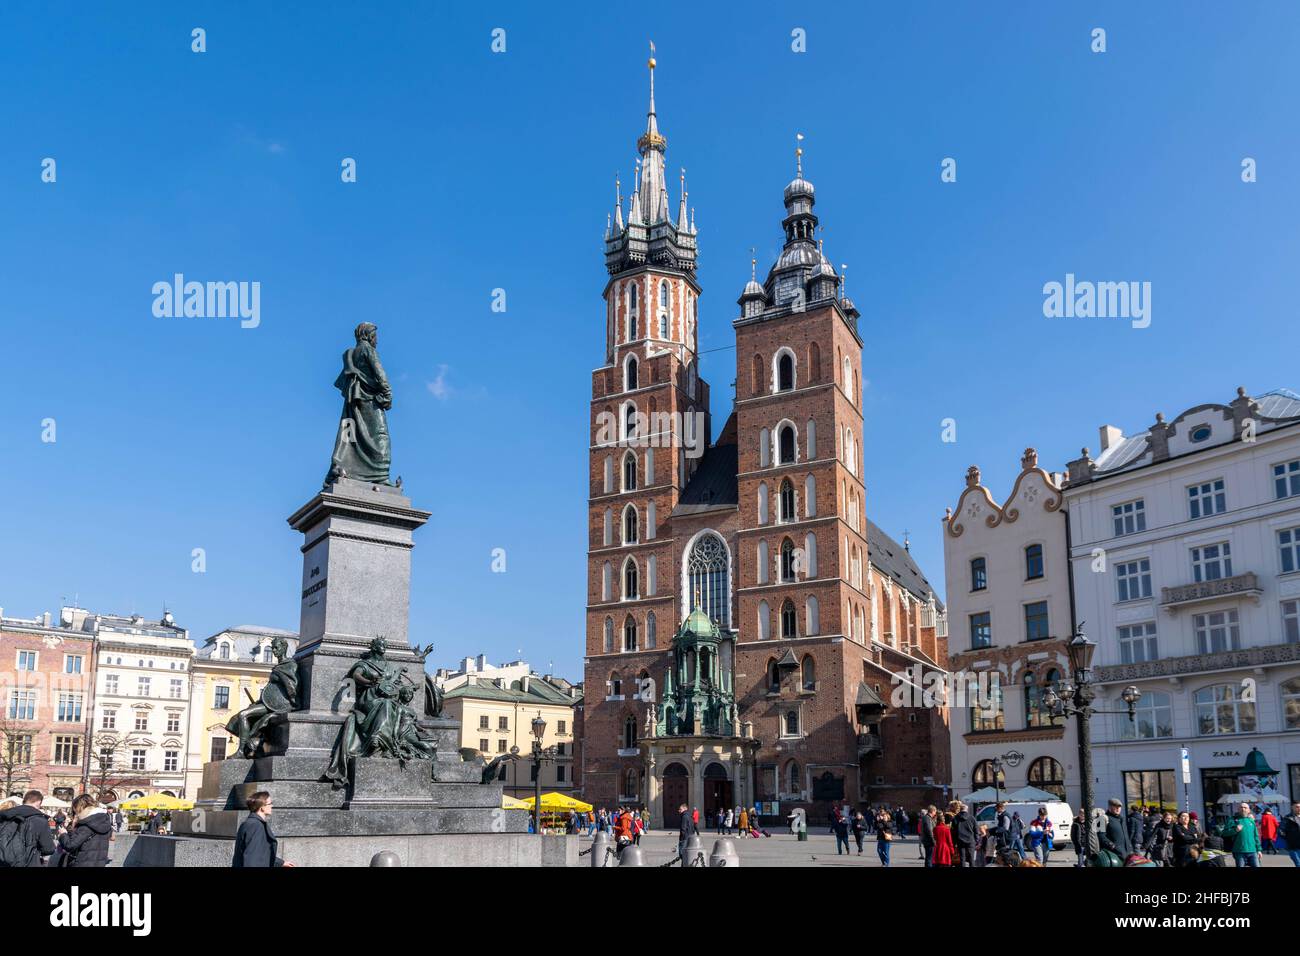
(629, 634)
(787, 560)
(785, 372)
(631, 583)
(609, 635)
(706, 576)
(809, 670)
(787, 500)
(785, 441)
(789, 619)
(630, 525)
(629, 471)
(651, 630)
(629, 732)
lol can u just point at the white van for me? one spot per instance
(1058, 812)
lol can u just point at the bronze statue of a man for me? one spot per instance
(361, 450)
(278, 697)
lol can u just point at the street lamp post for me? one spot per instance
(1074, 696)
(539, 731)
(997, 780)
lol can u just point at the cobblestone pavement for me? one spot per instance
(782, 849)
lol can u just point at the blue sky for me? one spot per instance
(479, 170)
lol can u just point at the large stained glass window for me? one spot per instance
(706, 578)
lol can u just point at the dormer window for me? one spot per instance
(1200, 433)
(223, 651)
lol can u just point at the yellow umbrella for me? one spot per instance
(157, 801)
(559, 801)
(510, 803)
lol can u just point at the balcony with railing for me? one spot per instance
(869, 745)
(1184, 595)
(1269, 655)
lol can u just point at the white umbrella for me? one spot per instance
(983, 795)
(54, 803)
(1268, 797)
(1031, 795)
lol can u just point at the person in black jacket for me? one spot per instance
(1289, 829)
(255, 843)
(1136, 827)
(965, 834)
(1116, 837)
(1185, 837)
(927, 834)
(29, 816)
(89, 832)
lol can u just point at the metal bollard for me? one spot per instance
(724, 853)
(632, 856)
(385, 858)
(600, 849)
(693, 852)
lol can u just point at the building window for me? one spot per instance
(1154, 718)
(1205, 499)
(1151, 788)
(1220, 709)
(223, 651)
(109, 720)
(72, 664)
(69, 708)
(1290, 693)
(629, 733)
(482, 722)
(1036, 626)
(18, 749)
(110, 683)
(1217, 631)
(629, 471)
(1211, 562)
(706, 569)
(143, 685)
(615, 686)
(629, 420)
(790, 726)
(67, 751)
(561, 727)
(630, 525)
(1133, 579)
(218, 748)
(809, 673)
(787, 501)
(1291, 621)
(141, 720)
(785, 372)
(483, 745)
(630, 374)
(1130, 517)
(787, 560)
(267, 656)
(137, 759)
(177, 688)
(789, 619)
(979, 574)
(171, 760)
(27, 660)
(1033, 562)
(221, 698)
(173, 723)
(609, 635)
(1045, 773)
(982, 776)
(990, 716)
(631, 581)
(22, 705)
(629, 634)
(1137, 643)
(1286, 480)
(1288, 543)
(981, 630)
(1034, 714)
(773, 678)
(651, 639)
(785, 445)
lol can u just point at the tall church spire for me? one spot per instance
(654, 192)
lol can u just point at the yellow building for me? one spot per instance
(497, 714)
(229, 669)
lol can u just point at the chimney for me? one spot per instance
(482, 662)
(523, 683)
(1110, 436)
(45, 618)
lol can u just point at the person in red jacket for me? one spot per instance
(1268, 830)
(945, 852)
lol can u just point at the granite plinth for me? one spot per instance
(356, 583)
(441, 850)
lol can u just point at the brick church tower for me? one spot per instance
(649, 426)
(745, 623)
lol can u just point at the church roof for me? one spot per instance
(895, 561)
(867, 696)
(713, 487)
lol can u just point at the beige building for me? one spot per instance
(229, 669)
(496, 715)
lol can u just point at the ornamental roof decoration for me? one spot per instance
(650, 235)
(977, 503)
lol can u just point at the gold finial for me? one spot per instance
(651, 61)
(753, 265)
(798, 156)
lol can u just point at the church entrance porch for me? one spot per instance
(705, 773)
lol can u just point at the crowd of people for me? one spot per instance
(1163, 838)
(31, 837)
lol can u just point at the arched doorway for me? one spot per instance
(676, 791)
(717, 789)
